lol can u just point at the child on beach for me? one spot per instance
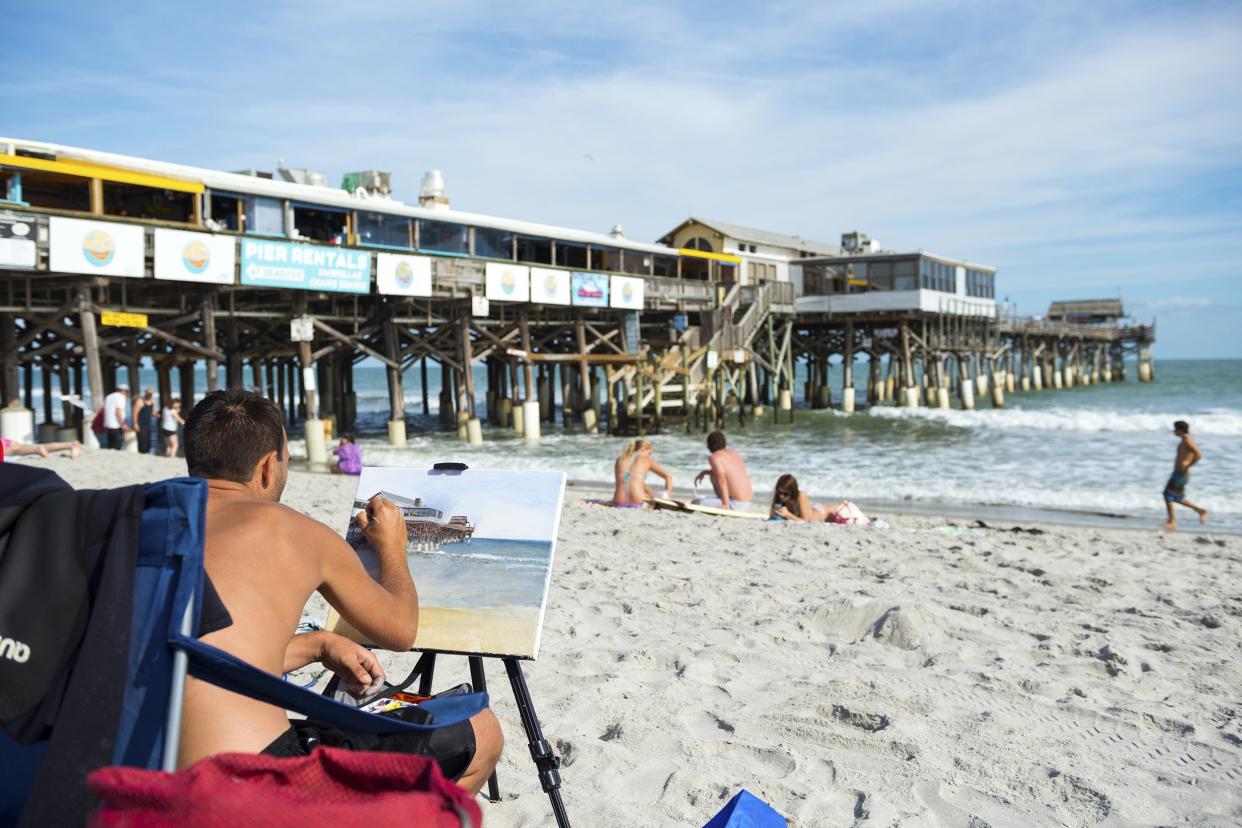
(170, 423)
(1188, 454)
(791, 503)
(631, 471)
(349, 456)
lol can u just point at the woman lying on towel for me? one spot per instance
(790, 503)
(631, 471)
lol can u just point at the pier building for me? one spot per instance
(285, 283)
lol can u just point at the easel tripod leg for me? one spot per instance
(540, 750)
(479, 680)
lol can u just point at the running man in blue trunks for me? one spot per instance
(1175, 490)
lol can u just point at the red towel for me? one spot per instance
(333, 787)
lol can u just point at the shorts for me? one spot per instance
(1175, 489)
(451, 746)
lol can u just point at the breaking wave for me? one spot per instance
(1219, 422)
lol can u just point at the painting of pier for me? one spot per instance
(480, 550)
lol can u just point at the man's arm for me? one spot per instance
(720, 481)
(1195, 454)
(355, 664)
(385, 612)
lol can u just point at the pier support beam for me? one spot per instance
(396, 387)
(965, 383)
(847, 370)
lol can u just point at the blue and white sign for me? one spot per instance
(590, 290)
(305, 266)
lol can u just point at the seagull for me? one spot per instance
(588, 157)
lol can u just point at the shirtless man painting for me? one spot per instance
(265, 560)
(728, 474)
(1175, 490)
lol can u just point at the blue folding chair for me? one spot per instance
(168, 585)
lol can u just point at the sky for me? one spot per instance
(509, 505)
(1086, 150)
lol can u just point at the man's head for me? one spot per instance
(1181, 428)
(715, 441)
(238, 436)
(123, 388)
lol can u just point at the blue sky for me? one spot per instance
(1084, 149)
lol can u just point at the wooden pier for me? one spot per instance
(685, 340)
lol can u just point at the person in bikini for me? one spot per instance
(265, 560)
(1188, 454)
(16, 448)
(791, 503)
(630, 472)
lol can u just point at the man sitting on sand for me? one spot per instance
(728, 474)
(265, 560)
(1175, 490)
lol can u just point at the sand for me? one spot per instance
(927, 674)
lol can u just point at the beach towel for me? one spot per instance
(329, 787)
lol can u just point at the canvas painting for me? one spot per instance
(480, 546)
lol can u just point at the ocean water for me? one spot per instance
(1095, 449)
(482, 572)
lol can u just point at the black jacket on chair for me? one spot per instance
(67, 561)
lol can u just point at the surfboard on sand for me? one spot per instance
(686, 506)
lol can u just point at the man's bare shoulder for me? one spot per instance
(276, 516)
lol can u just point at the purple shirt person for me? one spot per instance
(349, 456)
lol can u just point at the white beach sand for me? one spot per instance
(920, 675)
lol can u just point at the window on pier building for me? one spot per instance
(696, 268)
(880, 275)
(55, 191)
(384, 229)
(980, 283)
(635, 262)
(443, 237)
(700, 243)
(317, 223)
(493, 244)
(605, 258)
(264, 216)
(905, 274)
(534, 250)
(227, 212)
(571, 255)
(664, 265)
(136, 201)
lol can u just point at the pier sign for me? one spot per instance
(305, 266)
(507, 283)
(627, 293)
(17, 241)
(590, 290)
(122, 319)
(398, 275)
(549, 286)
(195, 257)
(100, 248)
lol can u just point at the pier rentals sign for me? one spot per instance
(305, 266)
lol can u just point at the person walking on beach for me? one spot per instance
(170, 422)
(631, 471)
(1188, 454)
(727, 471)
(144, 420)
(114, 417)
